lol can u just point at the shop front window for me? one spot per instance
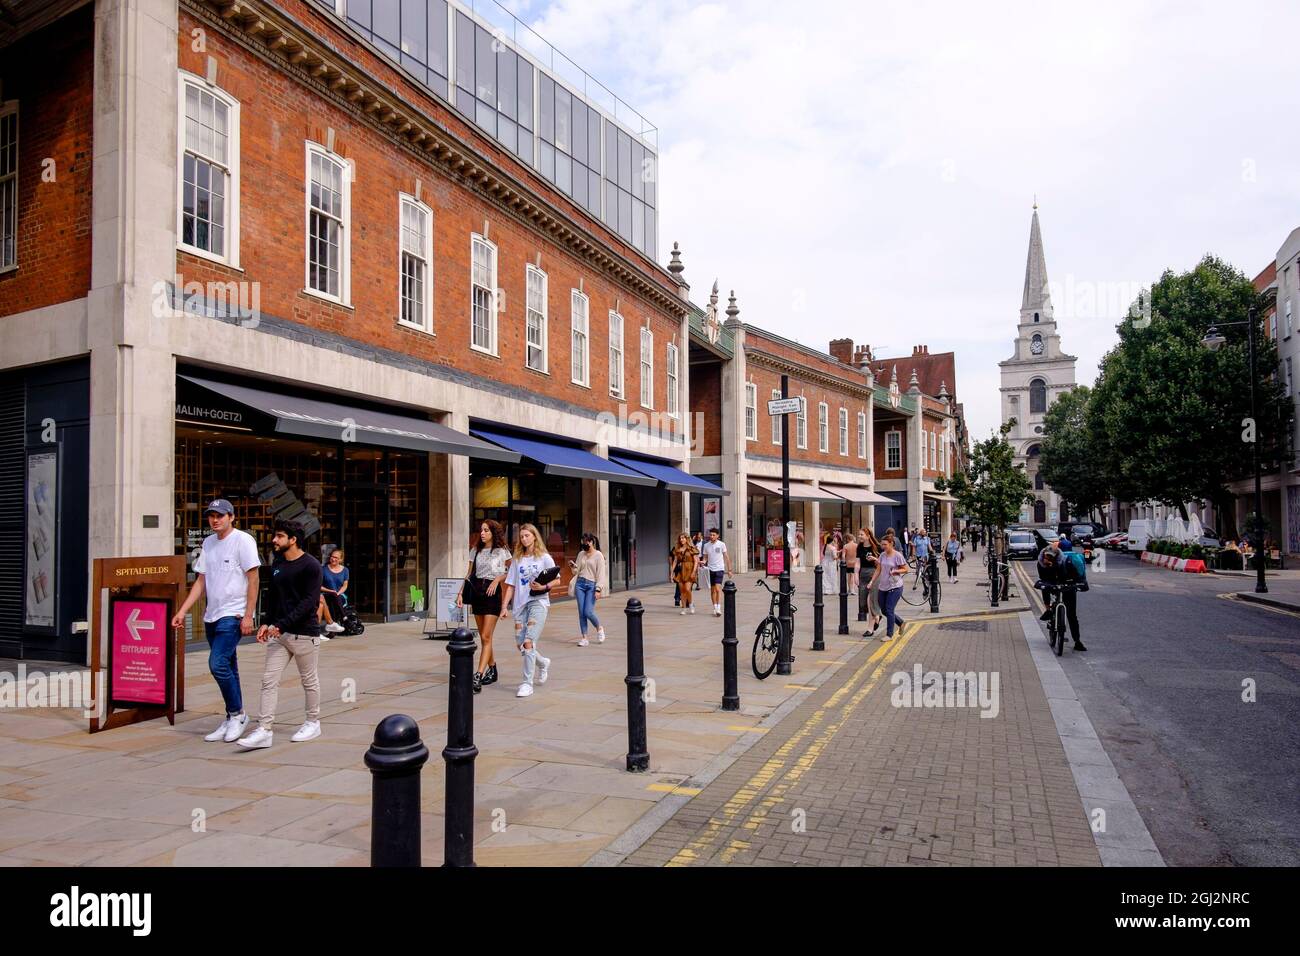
(517, 496)
(380, 520)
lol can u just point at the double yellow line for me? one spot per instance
(729, 815)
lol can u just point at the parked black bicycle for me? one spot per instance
(918, 594)
(767, 636)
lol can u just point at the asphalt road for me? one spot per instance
(1217, 779)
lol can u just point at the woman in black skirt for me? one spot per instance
(488, 563)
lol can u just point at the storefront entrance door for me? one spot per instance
(622, 550)
(366, 505)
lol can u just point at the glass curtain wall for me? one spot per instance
(606, 170)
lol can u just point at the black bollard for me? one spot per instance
(844, 599)
(459, 754)
(818, 643)
(785, 656)
(730, 689)
(638, 760)
(395, 759)
(993, 575)
(932, 569)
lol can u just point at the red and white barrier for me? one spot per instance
(1190, 565)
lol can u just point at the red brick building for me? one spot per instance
(388, 288)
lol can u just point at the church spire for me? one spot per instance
(1037, 300)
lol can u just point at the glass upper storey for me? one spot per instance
(533, 100)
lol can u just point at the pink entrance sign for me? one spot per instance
(139, 634)
(775, 561)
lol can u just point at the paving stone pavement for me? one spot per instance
(849, 779)
(551, 783)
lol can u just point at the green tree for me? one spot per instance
(1071, 459)
(1171, 415)
(993, 488)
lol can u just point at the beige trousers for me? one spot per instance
(305, 651)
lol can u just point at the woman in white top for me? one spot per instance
(530, 582)
(489, 561)
(830, 569)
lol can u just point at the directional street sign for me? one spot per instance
(134, 625)
(784, 406)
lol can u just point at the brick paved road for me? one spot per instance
(849, 779)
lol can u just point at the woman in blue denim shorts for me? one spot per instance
(529, 602)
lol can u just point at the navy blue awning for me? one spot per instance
(671, 477)
(564, 460)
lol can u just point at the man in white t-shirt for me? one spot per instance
(226, 572)
(718, 562)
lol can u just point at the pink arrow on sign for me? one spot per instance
(134, 625)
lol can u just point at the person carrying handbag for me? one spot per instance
(953, 554)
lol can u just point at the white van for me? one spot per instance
(1142, 530)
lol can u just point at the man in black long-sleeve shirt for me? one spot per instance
(293, 632)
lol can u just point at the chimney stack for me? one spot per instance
(842, 350)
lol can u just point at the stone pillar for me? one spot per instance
(915, 502)
(449, 508)
(595, 509)
(133, 220)
(734, 477)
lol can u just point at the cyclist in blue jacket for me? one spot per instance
(1059, 563)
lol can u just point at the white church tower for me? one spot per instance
(1037, 372)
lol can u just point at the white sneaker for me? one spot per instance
(692, 608)
(717, 611)
(324, 638)
(220, 732)
(256, 740)
(583, 642)
(334, 628)
(544, 671)
(682, 611)
(308, 731)
(525, 690)
(600, 635)
(235, 728)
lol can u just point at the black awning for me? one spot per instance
(335, 422)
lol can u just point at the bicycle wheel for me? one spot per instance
(915, 595)
(767, 643)
(1059, 617)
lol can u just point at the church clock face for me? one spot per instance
(1036, 346)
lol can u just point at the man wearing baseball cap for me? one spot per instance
(226, 572)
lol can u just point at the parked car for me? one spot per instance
(1022, 543)
(1112, 540)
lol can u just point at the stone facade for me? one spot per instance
(1037, 373)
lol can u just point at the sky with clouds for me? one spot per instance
(867, 170)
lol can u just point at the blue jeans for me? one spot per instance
(586, 593)
(223, 639)
(888, 601)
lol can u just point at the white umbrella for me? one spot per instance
(1195, 530)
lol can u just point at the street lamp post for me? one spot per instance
(1214, 340)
